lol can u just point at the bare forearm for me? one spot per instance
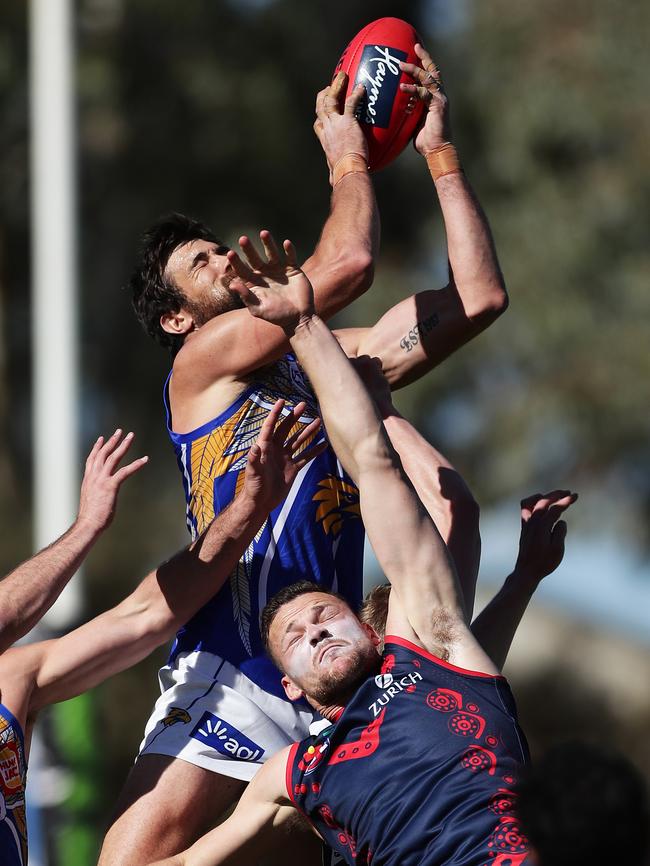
(472, 256)
(349, 413)
(421, 331)
(496, 625)
(193, 576)
(341, 267)
(31, 589)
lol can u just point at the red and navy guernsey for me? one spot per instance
(419, 768)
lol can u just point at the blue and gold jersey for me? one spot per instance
(13, 773)
(315, 534)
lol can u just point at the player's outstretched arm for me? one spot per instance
(541, 550)
(407, 544)
(29, 591)
(249, 832)
(341, 267)
(439, 486)
(40, 674)
(424, 329)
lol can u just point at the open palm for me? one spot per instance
(274, 289)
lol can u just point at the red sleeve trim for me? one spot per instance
(400, 641)
(291, 757)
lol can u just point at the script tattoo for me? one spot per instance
(419, 330)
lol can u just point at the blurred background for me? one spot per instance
(207, 107)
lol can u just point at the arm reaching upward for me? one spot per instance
(422, 330)
(30, 590)
(541, 550)
(43, 673)
(407, 544)
(232, 344)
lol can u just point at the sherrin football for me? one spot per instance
(371, 59)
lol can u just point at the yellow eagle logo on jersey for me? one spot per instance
(337, 498)
(175, 716)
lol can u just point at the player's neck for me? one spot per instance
(332, 712)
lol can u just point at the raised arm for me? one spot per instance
(439, 486)
(407, 544)
(30, 590)
(424, 329)
(341, 267)
(541, 550)
(51, 671)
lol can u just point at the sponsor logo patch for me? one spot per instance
(225, 738)
(379, 72)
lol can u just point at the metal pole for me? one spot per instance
(54, 320)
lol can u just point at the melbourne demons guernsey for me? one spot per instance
(13, 772)
(315, 534)
(419, 768)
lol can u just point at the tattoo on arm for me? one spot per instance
(411, 339)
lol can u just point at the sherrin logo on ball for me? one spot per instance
(372, 59)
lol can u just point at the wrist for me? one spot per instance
(88, 528)
(442, 160)
(351, 162)
(523, 579)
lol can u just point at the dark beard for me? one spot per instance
(203, 311)
(338, 688)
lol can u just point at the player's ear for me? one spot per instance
(292, 691)
(372, 634)
(177, 323)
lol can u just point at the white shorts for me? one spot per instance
(213, 716)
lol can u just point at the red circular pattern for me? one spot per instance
(471, 708)
(442, 702)
(464, 726)
(502, 802)
(475, 759)
(491, 741)
(508, 837)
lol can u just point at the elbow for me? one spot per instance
(355, 271)
(491, 302)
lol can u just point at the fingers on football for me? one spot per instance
(426, 60)
(354, 100)
(270, 247)
(337, 88)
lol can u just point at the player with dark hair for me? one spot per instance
(228, 371)
(37, 674)
(584, 805)
(423, 747)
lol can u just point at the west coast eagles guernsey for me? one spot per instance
(315, 534)
(13, 772)
(419, 768)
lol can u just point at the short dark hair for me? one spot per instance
(153, 294)
(581, 805)
(284, 595)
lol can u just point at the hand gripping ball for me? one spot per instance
(371, 59)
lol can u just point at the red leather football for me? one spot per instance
(371, 59)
